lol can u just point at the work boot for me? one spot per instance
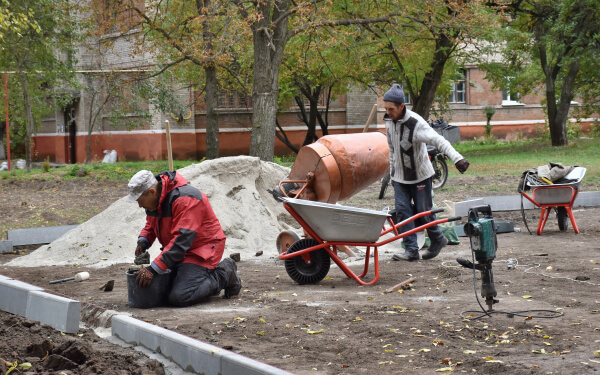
(234, 283)
(434, 249)
(409, 255)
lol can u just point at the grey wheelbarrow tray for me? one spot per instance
(559, 196)
(307, 260)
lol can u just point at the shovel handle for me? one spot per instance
(62, 280)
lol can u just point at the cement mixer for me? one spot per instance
(332, 169)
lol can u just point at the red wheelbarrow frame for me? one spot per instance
(333, 244)
(547, 206)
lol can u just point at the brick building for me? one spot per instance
(63, 136)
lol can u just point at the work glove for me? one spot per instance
(141, 247)
(145, 276)
(462, 165)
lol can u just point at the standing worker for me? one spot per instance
(183, 221)
(411, 170)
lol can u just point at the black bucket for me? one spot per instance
(156, 295)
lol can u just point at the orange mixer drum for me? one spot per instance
(342, 165)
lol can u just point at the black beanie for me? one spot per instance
(395, 94)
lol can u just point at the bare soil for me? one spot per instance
(338, 326)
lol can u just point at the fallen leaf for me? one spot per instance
(260, 333)
(424, 350)
(262, 320)
(541, 351)
(597, 353)
(526, 297)
(528, 318)
(469, 351)
(314, 332)
(358, 319)
(444, 369)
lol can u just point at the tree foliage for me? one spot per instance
(37, 46)
(554, 45)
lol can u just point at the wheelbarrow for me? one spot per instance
(307, 260)
(559, 196)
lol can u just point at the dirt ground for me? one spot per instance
(337, 326)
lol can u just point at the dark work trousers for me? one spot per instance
(192, 283)
(411, 199)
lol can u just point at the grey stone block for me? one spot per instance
(236, 364)
(192, 355)
(13, 296)
(6, 246)
(462, 208)
(60, 313)
(36, 236)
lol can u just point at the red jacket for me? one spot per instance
(184, 224)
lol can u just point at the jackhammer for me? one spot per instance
(482, 233)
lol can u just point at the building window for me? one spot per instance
(457, 93)
(236, 100)
(509, 97)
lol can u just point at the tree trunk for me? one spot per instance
(432, 79)
(92, 120)
(212, 88)
(269, 43)
(29, 115)
(558, 123)
(212, 115)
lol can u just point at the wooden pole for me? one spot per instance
(373, 111)
(398, 286)
(7, 133)
(169, 150)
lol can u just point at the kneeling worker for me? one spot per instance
(183, 221)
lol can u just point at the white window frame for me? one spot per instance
(507, 99)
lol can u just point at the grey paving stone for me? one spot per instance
(13, 296)
(235, 364)
(6, 246)
(35, 236)
(60, 313)
(192, 355)
(462, 208)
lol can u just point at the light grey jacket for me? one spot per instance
(407, 140)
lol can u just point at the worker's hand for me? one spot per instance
(141, 247)
(144, 277)
(462, 165)
(139, 250)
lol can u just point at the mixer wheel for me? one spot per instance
(303, 272)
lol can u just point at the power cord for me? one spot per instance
(469, 314)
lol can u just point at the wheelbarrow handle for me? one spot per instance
(437, 210)
(454, 218)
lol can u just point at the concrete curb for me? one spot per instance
(192, 355)
(64, 314)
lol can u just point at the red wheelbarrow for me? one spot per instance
(559, 195)
(307, 260)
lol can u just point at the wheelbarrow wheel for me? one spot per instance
(563, 218)
(303, 272)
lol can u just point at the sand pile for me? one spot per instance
(237, 190)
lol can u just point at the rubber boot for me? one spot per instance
(234, 283)
(434, 249)
(409, 255)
